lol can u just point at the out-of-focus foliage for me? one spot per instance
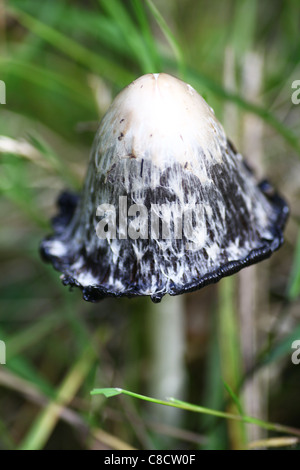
(62, 63)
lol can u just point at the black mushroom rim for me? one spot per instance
(168, 204)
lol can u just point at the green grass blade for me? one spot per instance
(214, 394)
(130, 34)
(170, 38)
(45, 78)
(43, 426)
(96, 63)
(282, 348)
(230, 354)
(107, 392)
(244, 24)
(200, 409)
(293, 290)
(20, 341)
(147, 35)
(200, 81)
(234, 397)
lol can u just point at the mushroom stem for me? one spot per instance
(167, 346)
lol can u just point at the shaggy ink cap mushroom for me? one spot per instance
(168, 204)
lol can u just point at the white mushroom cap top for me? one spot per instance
(164, 119)
(160, 154)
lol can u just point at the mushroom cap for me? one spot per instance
(199, 214)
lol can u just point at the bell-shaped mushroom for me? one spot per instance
(168, 205)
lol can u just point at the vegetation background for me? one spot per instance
(228, 347)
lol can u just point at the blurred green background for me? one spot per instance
(226, 347)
